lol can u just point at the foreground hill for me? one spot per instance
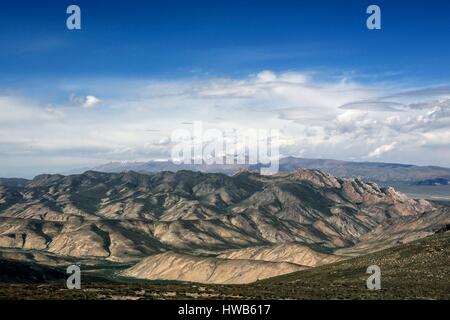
(297, 253)
(173, 266)
(21, 272)
(417, 270)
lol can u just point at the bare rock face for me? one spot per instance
(316, 177)
(26, 234)
(369, 194)
(399, 231)
(174, 266)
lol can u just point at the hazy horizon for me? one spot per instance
(79, 170)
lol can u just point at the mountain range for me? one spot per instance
(430, 182)
(378, 172)
(206, 227)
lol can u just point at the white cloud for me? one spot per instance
(91, 101)
(141, 114)
(438, 138)
(84, 101)
(266, 76)
(382, 149)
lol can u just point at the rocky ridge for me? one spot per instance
(299, 217)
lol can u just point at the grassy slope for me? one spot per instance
(418, 270)
(24, 272)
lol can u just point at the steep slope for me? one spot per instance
(294, 253)
(174, 266)
(127, 216)
(417, 270)
(163, 196)
(317, 205)
(120, 240)
(394, 232)
(21, 272)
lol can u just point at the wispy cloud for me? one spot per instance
(132, 119)
(373, 106)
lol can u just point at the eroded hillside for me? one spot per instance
(301, 217)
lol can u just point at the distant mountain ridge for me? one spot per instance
(378, 172)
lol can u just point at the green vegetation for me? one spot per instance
(417, 270)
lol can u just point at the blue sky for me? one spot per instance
(209, 60)
(232, 38)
